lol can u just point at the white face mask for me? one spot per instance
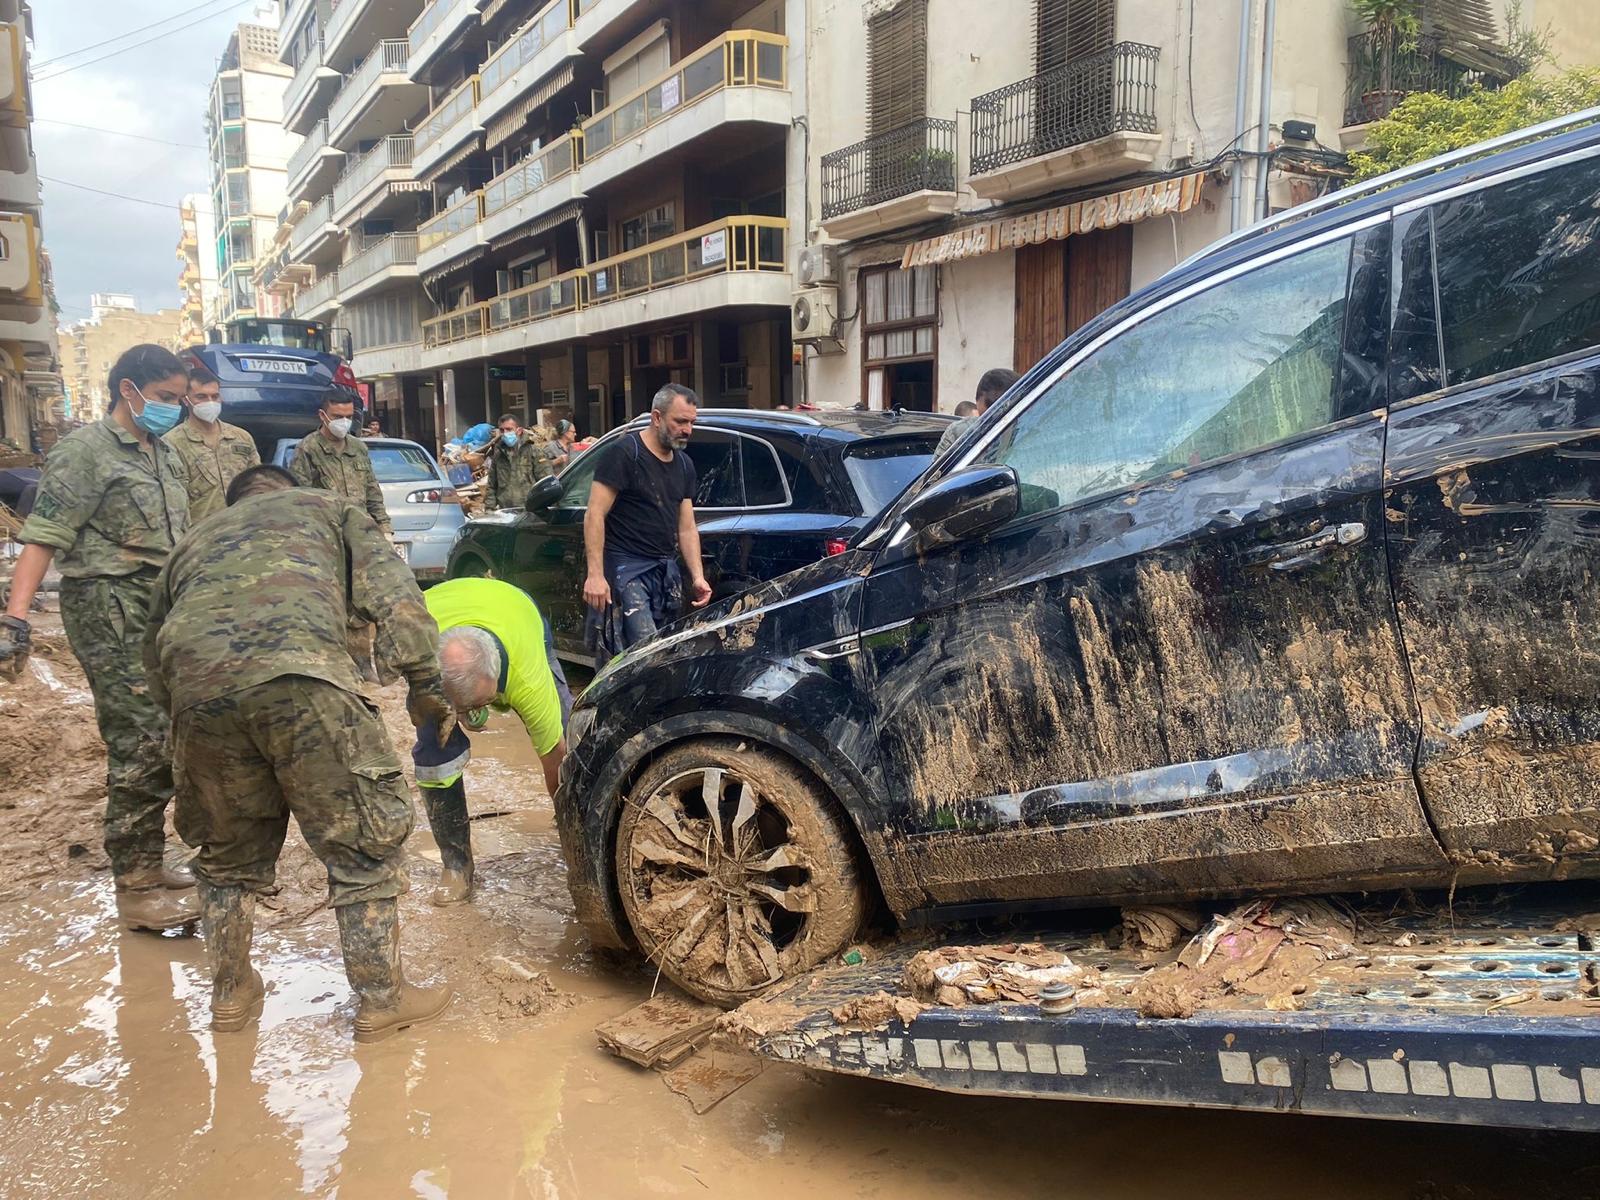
(339, 427)
(207, 410)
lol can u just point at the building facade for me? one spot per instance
(197, 274)
(249, 149)
(90, 349)
(30, 372)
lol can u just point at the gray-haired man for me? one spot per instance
(640, 519)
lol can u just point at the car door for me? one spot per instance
(1178, 670)
(1494, 531)
(547, 558)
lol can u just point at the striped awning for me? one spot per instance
(509, 122)
(378, 198)
(450, 161)
(541, 224)
(492, 10)
(452, 267)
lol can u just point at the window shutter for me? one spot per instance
(897, 66)
(1066, 30)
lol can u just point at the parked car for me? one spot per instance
(777, 490)
(1278, 576)
(423, 508)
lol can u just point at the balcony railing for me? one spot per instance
(450, 110)
(295, 94)
(393, 151)
(396, 250)
(742, 58)
(318, 296)
(1373, 86)
(1113, 91)
(432, 17)
(735, 244)
(559, 158)
(916, 157)
(524, 44)
(310, 146)
(451, 221)
(385, 57)
(311, 224)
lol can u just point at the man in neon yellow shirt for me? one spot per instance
(492, 653)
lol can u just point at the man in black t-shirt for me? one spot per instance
(640, 518)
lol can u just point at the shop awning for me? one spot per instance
(1052, 224)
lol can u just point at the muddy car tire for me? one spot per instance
(728, 908)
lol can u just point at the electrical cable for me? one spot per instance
(118, 133)
(50, 62)
(114, 195)
(77, 66)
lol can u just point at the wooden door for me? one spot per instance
(1099, 272)
(1041, 300)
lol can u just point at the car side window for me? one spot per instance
(716, 463)
(763, 477)
(575, 480)
(1519, 271)
(1240, 365)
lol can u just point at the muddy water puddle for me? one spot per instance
(112, 1084)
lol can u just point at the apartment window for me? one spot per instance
(897, 66)
(1067, 30)
(659, 222)
(899, 320)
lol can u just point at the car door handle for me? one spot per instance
(1308, 551)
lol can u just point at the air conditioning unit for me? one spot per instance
(814, 318)
(819, 264)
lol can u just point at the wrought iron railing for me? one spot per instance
(741, 58)
(304, 75)
(915, 157)
(392, 152)
(310, 146)
(1381, 73)
(318, 296)
(451, 109)
(734, 244)
(561, 157)
(523, 45)
(396, 250)
(456, 219)
(386, 58)
(1112, 91)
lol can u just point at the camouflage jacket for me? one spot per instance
(107, 505)
(343, 468)
(266, 588)
(513, 472)
(212, 468)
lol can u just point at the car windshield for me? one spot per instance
(880, 468)
(401, 464)
(297, 335)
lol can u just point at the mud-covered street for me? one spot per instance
(112, 1083)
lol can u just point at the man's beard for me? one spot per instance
(667, 442)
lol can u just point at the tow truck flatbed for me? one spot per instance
(1488, 1019)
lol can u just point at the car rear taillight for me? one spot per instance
(434, 496)
(834, 546)
(345, 377)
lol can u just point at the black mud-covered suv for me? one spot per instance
(1281, 575)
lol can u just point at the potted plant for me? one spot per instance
(1392, 25)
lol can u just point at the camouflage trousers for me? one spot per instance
(244, 762)
(105, 619)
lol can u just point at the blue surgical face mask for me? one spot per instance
(157, 417)
(509, 437)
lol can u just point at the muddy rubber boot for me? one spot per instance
(370, 934)
(452, 832)
(226, 918)
(175, 879)
(145, 903)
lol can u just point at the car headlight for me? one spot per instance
(579, 725)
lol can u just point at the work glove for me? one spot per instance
(15, 643)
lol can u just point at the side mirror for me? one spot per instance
(963, 504)
(544, 494)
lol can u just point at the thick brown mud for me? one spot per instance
(112, 1084)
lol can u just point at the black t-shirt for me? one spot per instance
(644, 519)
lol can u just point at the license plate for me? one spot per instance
(281, 366)
(403, 549)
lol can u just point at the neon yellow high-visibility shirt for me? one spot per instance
(508, 613)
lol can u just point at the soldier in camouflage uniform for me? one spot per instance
(515, 462)
(246, 646)
(111, 504)
(213, 451)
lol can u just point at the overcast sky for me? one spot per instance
(159, 90)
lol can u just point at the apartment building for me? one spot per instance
(249, 149)
(980, 187)
(197, 276)
(90, 348)
(30, 377)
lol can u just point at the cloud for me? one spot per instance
(161, 90)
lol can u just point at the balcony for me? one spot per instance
(21, 285)
(738, 79)
(377, 97)
(1089, 120)
(314, 81)
(389, 162)
(314, 234)
(393, 257)
(448, 235)
(321, 298)
(892, 179)
(732, 263)
(452, 122)
(538, 184)
(13, 76)
(314, 164)
(431, 32)
(1373, 86)
(529, 54)
(354, 25)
